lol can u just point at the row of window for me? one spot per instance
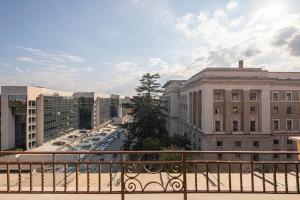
(32, 111)
(288, 110)
(255, 143)
(288, 96)
(235, 125)
(31, 103)
(255, 156)
(276, 125)
(289, 125)
(235, 110)
(235, 96)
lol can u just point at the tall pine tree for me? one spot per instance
(147, 130)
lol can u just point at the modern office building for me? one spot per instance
(236, 109)
(104, 110)
(94, 110)
(115, 106)
(32, 115)
(56, 115)
(87, 109)
(124, 111)
(19, 115)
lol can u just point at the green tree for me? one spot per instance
(147, 130)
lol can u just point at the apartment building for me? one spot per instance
(236, 109)
(32, 115)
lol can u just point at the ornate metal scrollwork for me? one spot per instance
(134, 182)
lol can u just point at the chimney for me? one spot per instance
(241, 64)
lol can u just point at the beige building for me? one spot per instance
(19, 115)
(32, 115)
(236, 109)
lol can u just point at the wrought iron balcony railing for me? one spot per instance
(129, 172)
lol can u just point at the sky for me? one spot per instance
(107, 45)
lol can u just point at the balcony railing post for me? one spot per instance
(252, 173)
(8, 177)
(184, 176)
(297, 178)
(122, 178)
(54, 171)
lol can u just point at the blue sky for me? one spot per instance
(105, 46)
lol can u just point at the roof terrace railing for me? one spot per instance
(130, 172)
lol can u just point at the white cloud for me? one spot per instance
(27, 59)
(236, 22)
(221, 41)
(232, 4)
(47, 56)
(20, 71)
(126, 66)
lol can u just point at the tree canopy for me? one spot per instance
(147, 129)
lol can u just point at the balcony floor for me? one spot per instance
(150, 196)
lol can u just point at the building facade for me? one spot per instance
(104, 110)
(236, 109)
(32, 115)
(94, 110)
(19, 115)
(115, 106)
(56, 115)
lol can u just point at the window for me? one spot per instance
(219, 143)
(276, 141)
(218, 96)
(276, 125)
(275, 96)
(289, 141)
(275, 110)
(235, 110)
(252, 125)
(289, 110)
(217, 126)
(256, 143)
(31, 103)
(253, 96)
(275, 156)
(235, 96)
(256, 157)
(288, 156)
(217, 110)
(235, 125)
(220, 156)
(288, 96)
(252, 110)
(289, 124)
(237, 143)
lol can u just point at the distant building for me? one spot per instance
(87, 109)
(19, 115)
(236, 109)
(33, 115)
(104, 110)
(125, 111)
(56, 115)
(115, 106)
